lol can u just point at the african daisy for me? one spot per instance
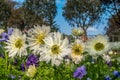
(36, 36)
(55, 49)
(98, 45)
(77, 50)
(16, 44)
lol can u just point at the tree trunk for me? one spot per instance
(84, 36)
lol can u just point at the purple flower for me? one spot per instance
(80, 72)
(10, 30)
(5, 36)
(116, 74)
(107, 78)
(32, 60)
(22, 67)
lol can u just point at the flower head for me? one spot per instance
(16, 45)
(80, 72)
(22, 67)
(32, 60)
(55, 48)
(31, 71)
(77, 31)
(98, 45)
(110, 52)
(107, 58)
(12, 76)
(107, 78)
(77, 51)
(116, 74)
(36, 36)
(5, 36)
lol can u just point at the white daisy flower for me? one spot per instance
(16, 44)
(77, 50)
(36, 36)
(98, 45)
(55, 48)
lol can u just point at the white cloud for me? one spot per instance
(92, 29)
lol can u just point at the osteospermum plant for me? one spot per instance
(16, 44)
(98, 45)
(36, 36)
(55, 48)
(77, 50)
(55, 57)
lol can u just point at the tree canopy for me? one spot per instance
(113, 27)
(112, 7)
(82, 13)
(5, 12)
(29, 13)
(40, 11)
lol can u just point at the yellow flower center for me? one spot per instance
(77, 49)
(18, 43)
(55, 49)
(40, 38)
(99, 46)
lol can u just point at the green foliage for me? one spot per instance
(95, 70)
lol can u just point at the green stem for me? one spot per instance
(6, 59)
(99, 66)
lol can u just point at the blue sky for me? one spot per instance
(65, 27)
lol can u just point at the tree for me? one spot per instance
(113, 29)
(31, 12)
(40, 12)
(16, 19)
(54, 27)
(82, 13)
(5, 12)
(112, 8)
